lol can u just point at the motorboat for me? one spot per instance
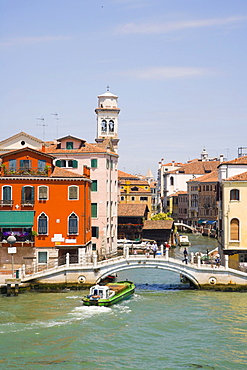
(106, 295)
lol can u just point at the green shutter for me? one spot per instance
(75, 164)
(94, 210)
(58, 163)
(94, 185)
(94, 163)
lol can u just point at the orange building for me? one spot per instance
(46, 208)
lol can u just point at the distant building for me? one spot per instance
(130, 220)
(133, 190)
(232, 202)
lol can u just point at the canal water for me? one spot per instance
(159, 327)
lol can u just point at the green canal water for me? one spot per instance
(159, 327)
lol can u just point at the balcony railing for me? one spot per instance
(20, 171)
(6, 202)
(27, 203)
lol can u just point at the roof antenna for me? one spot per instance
(56, 117)
(107, 88)
(42, 124)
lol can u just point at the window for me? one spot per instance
(111, 126)
(7, 195)
(171, 181)
(122, 198)
(132, 198)
(12, 164)
(73, 192)
(94, 247)
(42, 224)
(25, 164)
(95, 231)
(41, 164)
(42, 257)
(234, 229)
(234, 194)
(28, 195)
(94, 163)
(69, 145)
(73, 224)
(143, 198)
(94, 210)
(43, 192)
(94, 185)
(103, 126)
(72, 163)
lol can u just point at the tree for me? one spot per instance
(161, 216)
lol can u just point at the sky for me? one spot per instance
(178, 68)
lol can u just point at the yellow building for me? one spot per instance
(134, 190)
(233, 220)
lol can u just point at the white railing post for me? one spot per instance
(127, 252)
(34, 266)
(199, 260)
(161, 249)
(95, 260)
(226, 261)
(192, 258)
(67, 260)
(167, 254)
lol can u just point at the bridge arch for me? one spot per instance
(184, 225)
(129, 265)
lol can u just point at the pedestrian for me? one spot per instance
(185, 256)
(217, 261)
(154, 248)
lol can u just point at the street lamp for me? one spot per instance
(11, 240)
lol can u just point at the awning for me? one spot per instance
(211, 222)
(11, 219)
(201, 221)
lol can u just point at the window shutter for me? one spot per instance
(73, 192)
(94, 209)
(58, 163)
(6, 193)
(32, 193)
(75, 164)
(234, 229)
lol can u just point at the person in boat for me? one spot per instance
(185, 256)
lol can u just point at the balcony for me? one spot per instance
(21, 171)
(27, 203)
(6, 203)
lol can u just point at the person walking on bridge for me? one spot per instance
(185, 256)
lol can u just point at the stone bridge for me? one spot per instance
(89, 272)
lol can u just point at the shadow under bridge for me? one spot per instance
(110, 267)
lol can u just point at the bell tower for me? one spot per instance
(107, 118)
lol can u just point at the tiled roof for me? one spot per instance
(126, 176)
(209, 177)
(158, 224)
(60, 172)
(197, 167)
(134, 210)
(178, 193)
(86, 148)
(240, 160)
(27, 149)
(239, 177)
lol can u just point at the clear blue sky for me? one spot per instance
(178, 67)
